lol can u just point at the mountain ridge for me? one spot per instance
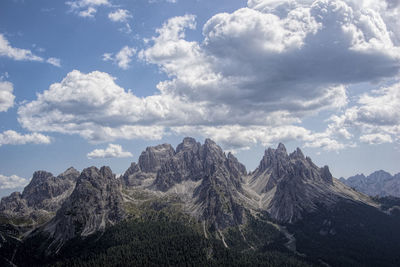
(196, 184)
(378, 183)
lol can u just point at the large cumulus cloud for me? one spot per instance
(258, 72)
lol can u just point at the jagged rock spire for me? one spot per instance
(95, 203)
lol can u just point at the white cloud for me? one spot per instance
(239, 137)
(119, 15)
(112, 151)
(7, 50)
(168, 1)
(376, 116)
(260, 60)
(6, 96)
(13, 138)
(86, 8)
(87, 3)
(123, 58)
(11, 182)
(54, 61)
(376, 139)
(93, 106)
(254, 78)
(88, 13)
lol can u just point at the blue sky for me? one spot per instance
(93, 82)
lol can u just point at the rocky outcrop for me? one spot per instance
(14, 206)
(186, 164)
(153, 158)
(218, 193)
(48, 192)
(292, 185)
(208, 180)
(379, 183)
(41, 198)
(95, 203)
(150, 162)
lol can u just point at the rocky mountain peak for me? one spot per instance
(38, 177)
(380, 175)
(188, 143)
(41, 197)
(212, 152)
(154, 157)
(234, 163)
(297, 154)
(378, 183)
(95, 203)
(276, 158)
(70, 173)
(96, 177)
(281, 149)
(326, 175)
(44, 188)
(131, 170)
(292, 183)
(194, 162)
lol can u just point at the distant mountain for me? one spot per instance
(379, 183)
(197, 205)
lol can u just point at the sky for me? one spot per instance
(94, 82)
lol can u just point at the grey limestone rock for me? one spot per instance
(150, 162)
(95, 203)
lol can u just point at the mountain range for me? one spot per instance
(197, 205)
(379, 183)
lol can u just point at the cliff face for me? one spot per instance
(95, 203)
(290, 185)
(150, 162)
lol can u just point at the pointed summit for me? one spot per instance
(297, 154)
(281, 149)
(71, 174)
(208, 141)
(188, 143)
(95, 203)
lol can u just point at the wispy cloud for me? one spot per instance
(120, 15)
(19, 54)
(123, 58)
(86, 8)
(54, 61)
(16, 53)
(6, 95)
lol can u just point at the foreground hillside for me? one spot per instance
(196, 205)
